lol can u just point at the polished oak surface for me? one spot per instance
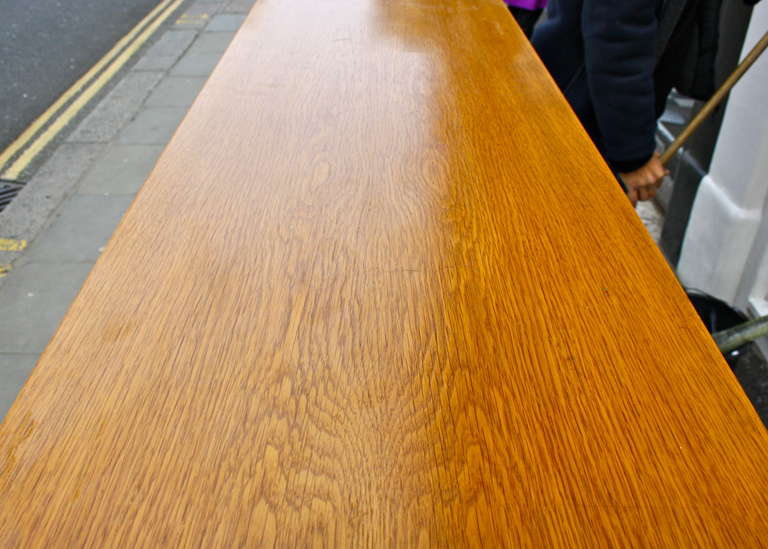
(380, 291)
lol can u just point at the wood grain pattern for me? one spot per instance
(380, 291)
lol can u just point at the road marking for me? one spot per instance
(133, 40)
(191, 19)
(4, 270)
(41, 120)
(12, 245)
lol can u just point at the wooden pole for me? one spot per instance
(715, 100)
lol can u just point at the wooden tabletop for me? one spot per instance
(380, 290)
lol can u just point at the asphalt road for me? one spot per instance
(46, 45)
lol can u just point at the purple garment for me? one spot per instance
(527, 4)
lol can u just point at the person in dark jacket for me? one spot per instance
(602, 54)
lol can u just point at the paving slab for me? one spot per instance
(166, 51)
(212, 42)
(121, 169)
(225, 22)
(35, 297)
(14, 371)
(205, 7)
(120, 106)
(153, 126)
(196, 64)
(176, 91)
(81, 229)
(239, 6)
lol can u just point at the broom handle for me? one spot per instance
(710, 105)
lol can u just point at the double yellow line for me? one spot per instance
(56, 117)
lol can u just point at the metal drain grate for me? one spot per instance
(8, 191)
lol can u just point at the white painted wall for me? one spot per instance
(724, 251)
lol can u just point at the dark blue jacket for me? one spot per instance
(602, 55)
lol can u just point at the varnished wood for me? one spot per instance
(380, 290)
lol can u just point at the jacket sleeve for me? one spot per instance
(619, 47)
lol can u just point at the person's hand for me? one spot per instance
(643, 183)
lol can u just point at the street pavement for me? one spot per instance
(46, 46)
(72, 203)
